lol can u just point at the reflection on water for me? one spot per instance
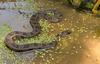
(80, 47)
(15, 20)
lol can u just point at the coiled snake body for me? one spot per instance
(50, 15)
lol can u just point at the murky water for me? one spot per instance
(73, 48)
(81, 46)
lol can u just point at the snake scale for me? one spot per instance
(51, 15)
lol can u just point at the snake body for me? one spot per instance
(50, 15)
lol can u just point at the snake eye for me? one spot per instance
(50, 13)
(60, 15)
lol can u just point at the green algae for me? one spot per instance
(8, 56)
(5, 54)
(3, 32)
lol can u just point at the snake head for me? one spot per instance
(64, 33)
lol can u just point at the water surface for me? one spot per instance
(80, 47)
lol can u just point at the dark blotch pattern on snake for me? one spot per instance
(50, 15)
